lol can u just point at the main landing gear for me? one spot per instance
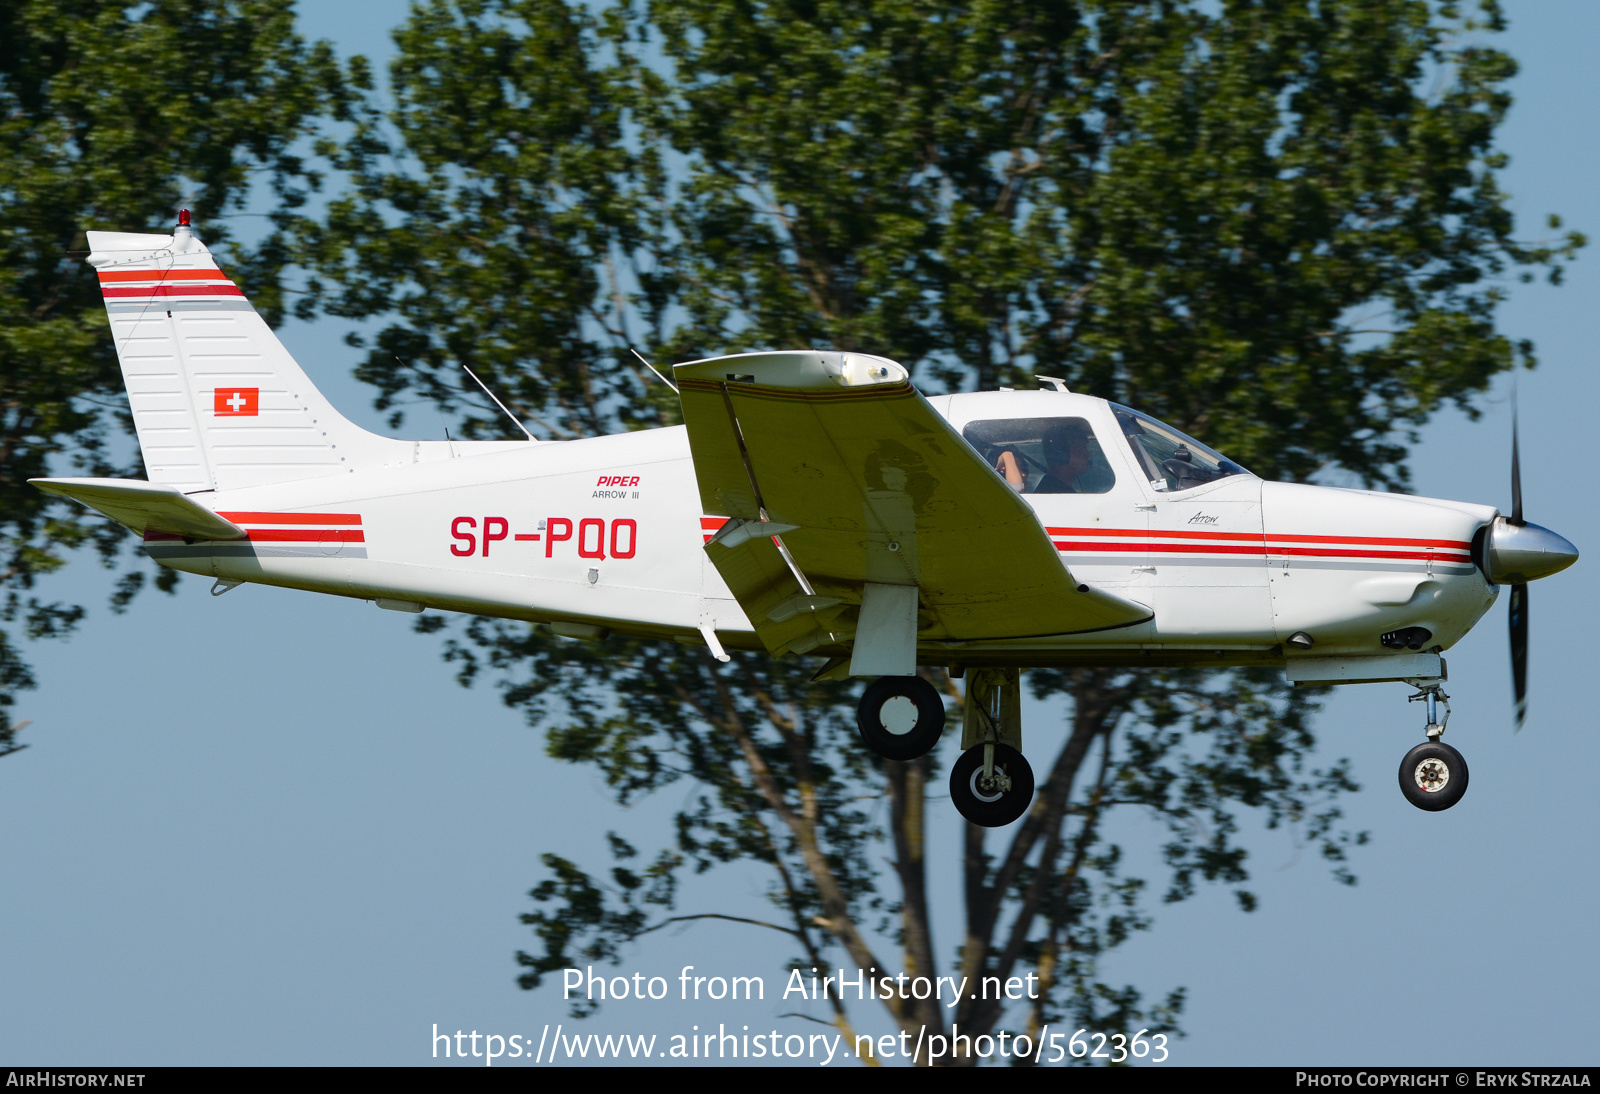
(992, 785)
(1433, 776)
(902, 717)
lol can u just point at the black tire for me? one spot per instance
(1433, 776)
(893, 729)
(991, 811)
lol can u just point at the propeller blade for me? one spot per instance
(1519, 649)
(1516, 466)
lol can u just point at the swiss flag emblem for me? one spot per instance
(237, 402)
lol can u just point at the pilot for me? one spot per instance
(1066, 455)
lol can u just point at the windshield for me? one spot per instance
(1169, 459)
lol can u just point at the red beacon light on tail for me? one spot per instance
(183, 218)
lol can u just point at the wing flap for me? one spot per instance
(787, 617)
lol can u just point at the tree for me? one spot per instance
(1198, 209)
(112, 115)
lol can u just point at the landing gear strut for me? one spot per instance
(1433, 776)
(992, 784)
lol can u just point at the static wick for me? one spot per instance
(655, 370)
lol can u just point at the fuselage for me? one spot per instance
(606, 534)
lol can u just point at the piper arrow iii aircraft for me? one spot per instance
(812, 503)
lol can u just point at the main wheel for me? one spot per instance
(1433, 776)
(900, 717)
(990, 806)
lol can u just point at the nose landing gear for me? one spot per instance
(1433, 776)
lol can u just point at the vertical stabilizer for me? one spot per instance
(217, 401)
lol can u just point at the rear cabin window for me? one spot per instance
(1043, 455)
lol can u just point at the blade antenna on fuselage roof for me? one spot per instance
(497, 402)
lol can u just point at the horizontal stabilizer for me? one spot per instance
(145, 507)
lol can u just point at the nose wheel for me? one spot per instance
(1433, 776)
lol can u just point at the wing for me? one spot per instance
(145, 507)
(836, 461)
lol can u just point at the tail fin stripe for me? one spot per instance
(228, 289)
(153, 274)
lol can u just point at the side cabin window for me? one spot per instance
(1043, 455)
(1172, 461)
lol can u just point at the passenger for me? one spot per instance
(1066, 456)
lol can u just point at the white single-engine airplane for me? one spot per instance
(812, 503)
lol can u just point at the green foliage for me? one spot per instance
(1197, 211)
(112, 115)
(1252, 221)
(504, 249)
(582, 917)
(9, 731)
(1252, 218)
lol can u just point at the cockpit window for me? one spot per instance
(1043, 455)
(1171, 460)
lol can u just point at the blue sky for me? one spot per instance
(270, 828)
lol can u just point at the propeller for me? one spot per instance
(1515, 553)
(1519, 650)
(1519, 592)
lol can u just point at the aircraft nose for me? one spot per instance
(1519, 553)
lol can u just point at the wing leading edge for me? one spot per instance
(835, 460)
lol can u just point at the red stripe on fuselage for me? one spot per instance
(1277, 537)
(1249, 549)
(292, 518)
(280, 535)
(305, 535)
